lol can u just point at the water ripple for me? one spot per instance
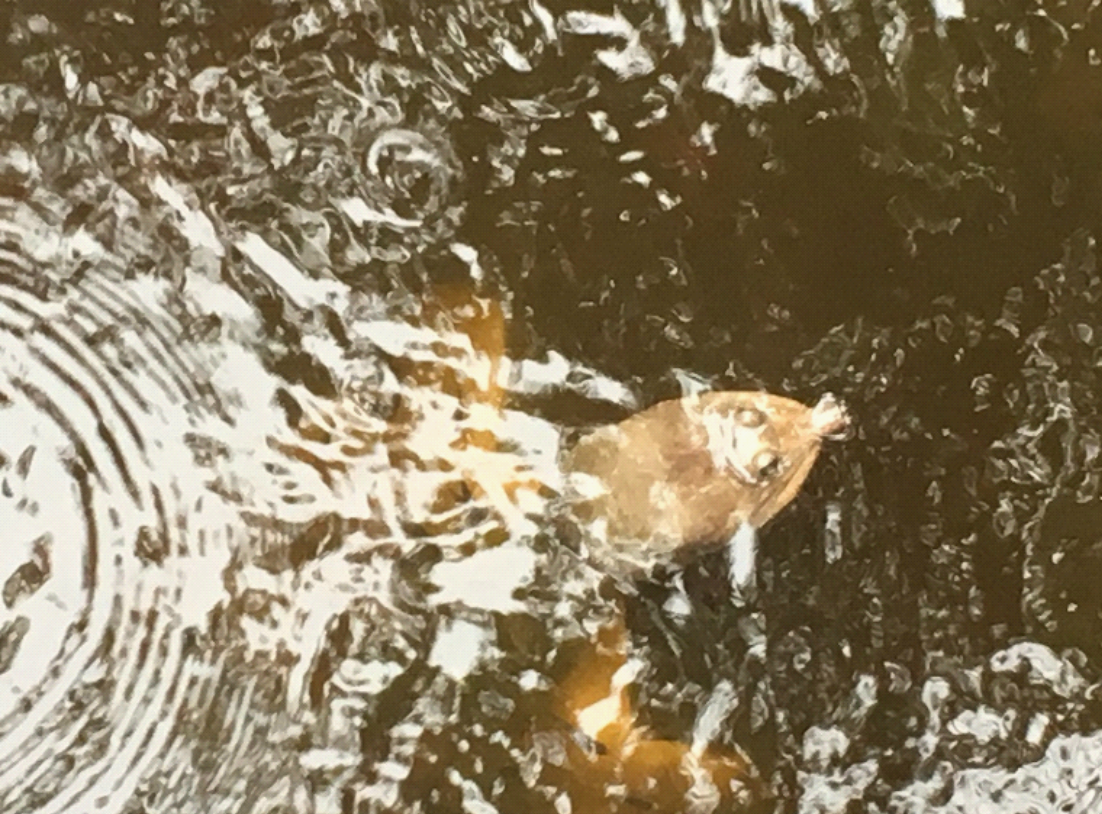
(109, 552)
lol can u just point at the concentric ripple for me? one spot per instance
(110, 560)
(411, 176)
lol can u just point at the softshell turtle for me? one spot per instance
(706, 468)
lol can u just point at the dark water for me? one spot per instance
(297, 300)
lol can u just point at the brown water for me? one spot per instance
(298, 300)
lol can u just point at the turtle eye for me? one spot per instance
(767, 465)
(749, 417)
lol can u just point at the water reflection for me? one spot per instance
(298, 302)
(194, 529)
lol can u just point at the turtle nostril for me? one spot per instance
(829, 417)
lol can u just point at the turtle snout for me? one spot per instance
(829, 418)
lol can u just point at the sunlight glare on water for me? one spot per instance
(356, 454)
